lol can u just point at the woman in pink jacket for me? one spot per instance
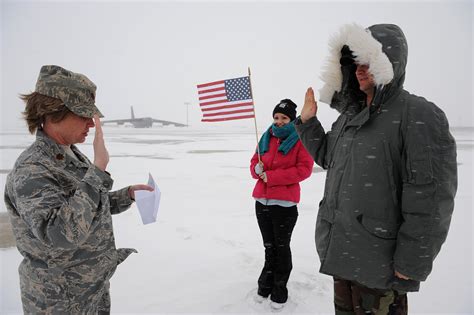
(284, 163)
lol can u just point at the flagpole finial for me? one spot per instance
(249, 70)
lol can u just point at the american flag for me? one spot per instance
(226, 100)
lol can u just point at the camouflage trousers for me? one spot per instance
(351, 298)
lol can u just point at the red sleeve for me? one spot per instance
(294, 174)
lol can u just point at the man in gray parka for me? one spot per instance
(391, 173)
(60, 204)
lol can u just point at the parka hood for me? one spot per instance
(383, 47)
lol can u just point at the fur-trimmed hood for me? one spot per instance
(383, 47)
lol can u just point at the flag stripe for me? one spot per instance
(225, 102)
(211, 87)
(228, 118)
(213, 102)
(205, 109)
(229, 112)
(222, 99)
(229, 115)
(225, 111)
(210, 83)
(211, 96)
(222, 88)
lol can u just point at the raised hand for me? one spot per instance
(101, 156)
(310, 106)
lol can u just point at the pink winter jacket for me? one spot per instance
(284, 172)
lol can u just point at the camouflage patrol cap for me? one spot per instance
(74, 89)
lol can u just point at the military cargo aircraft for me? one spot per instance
(144, 122)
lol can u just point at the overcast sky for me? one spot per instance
(153, 54)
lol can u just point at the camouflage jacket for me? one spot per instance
(60, 209)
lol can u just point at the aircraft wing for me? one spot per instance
(118, 121)
(166, 122)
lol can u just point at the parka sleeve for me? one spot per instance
(429, 186)
(292, 175)
(58, 220)
(120, 200)
(314, 139)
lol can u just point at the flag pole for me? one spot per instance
(254, 115)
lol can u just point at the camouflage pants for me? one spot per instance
(351, 298)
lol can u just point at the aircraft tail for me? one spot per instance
(133, 115)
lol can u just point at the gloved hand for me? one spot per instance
(259, 168)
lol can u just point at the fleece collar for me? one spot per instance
(366, 49)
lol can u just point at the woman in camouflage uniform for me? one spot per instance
(60, 204)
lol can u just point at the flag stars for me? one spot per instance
(238, 89)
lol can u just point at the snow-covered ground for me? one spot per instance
(205, 252)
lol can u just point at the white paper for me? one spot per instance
(148, 202)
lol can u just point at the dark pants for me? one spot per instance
(276, 225)
(351, 298)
